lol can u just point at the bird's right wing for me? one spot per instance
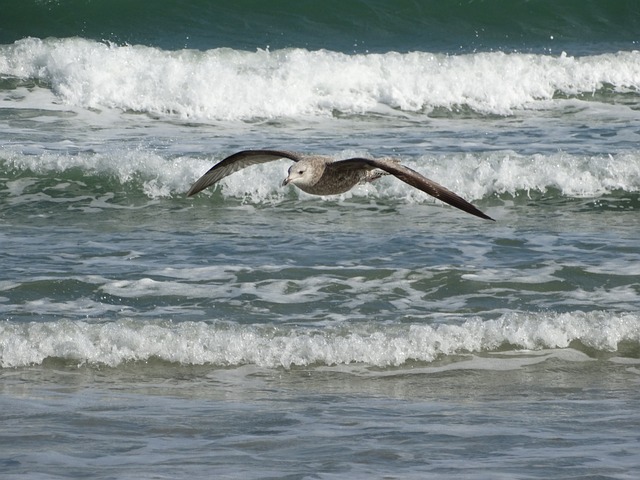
(412, 178)
(236, 162)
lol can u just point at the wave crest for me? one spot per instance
(221, 344)
(226, 84)
(474, 176)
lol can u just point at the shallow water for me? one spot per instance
(549, 413)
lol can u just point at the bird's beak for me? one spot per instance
(286, 181)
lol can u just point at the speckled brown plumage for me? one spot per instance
(320, 175)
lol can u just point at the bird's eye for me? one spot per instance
(300, 172)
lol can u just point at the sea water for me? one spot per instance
(255, 331)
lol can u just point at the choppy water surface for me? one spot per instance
(255, 331)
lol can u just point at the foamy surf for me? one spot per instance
(227, 84)
(474, 176)
(253, 331)
(383, 345)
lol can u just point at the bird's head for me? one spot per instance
(301, 174)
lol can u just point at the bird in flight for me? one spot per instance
(322, 175)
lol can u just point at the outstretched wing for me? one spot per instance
(412, 178)
(236, 162)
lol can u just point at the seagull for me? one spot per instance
(322, 175)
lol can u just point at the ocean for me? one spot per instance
(257, 332)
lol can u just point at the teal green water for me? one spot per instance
(353, 26)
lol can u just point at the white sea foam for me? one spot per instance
(227, 84)
(521, 276)
(192, 343)
(158, 176)
(473, 176)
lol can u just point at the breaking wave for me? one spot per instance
(226, 84)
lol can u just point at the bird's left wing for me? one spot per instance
(236, 162)
(412, 178)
